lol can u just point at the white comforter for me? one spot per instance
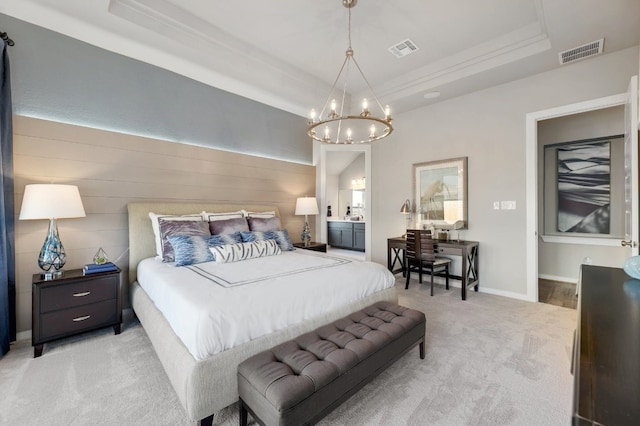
(213, 307)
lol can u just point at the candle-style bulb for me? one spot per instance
(365, 104)
(333, 105)
(387, 111)
(312, 115)
(372, 131)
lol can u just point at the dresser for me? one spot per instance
(72, 304)
(606, 356)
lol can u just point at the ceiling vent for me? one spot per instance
(581, 52)
(403, 48)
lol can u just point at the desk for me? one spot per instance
(467, 250)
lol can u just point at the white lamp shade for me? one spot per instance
(306, 206)
(48, 201)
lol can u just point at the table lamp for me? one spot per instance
(306, 206)
(51, 201)
(406, 209)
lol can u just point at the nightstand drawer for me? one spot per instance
(74, 320)
(63, 296)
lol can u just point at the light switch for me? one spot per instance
(508, 205)
(496, 205)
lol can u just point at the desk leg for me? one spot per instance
(465, 277)
(473, 267)
(395, 254)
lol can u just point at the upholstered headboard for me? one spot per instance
(141, 239)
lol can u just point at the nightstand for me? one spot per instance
(312, 246)
(72, 304)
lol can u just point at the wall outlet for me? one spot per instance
(508, 205)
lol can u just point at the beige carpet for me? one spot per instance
(489, 361)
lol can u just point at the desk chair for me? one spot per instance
(421, 253)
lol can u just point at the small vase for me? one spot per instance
(632, 267)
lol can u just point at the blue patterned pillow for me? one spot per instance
(281, 237)
(243, 251)
(191, 249)
(175, 227)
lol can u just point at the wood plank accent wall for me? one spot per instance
(112, 169)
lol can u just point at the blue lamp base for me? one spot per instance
(52, 255)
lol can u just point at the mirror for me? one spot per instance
(352, 198)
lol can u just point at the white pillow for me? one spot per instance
(156, 226)
(212, 217)
(242, 251)
(261, 215)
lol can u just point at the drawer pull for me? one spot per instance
(86, 317)
(84, 293)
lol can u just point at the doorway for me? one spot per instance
(532, 170)
(322, 154)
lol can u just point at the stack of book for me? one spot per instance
(93, 268)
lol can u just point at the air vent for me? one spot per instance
(581, 52)
(403, 48)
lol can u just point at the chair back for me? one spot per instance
(420, 245)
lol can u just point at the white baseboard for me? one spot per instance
(23, 335)
(557, 278)
(502, 293)
(457, 284)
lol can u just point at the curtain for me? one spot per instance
(7, 254)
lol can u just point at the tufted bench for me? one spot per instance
(300, 381)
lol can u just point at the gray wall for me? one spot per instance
(62, 79)
(489, 128)
(113, 169)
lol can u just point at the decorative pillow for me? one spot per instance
(264, 224)
(228, 226)
(156, 227)
(242, 251)
(178, 227)
(263, 215)
(212, 217)
(281, 237)
(191, 249)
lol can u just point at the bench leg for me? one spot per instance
(243, 414)
(422, 350)
(207, 421)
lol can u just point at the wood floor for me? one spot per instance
(557, 293)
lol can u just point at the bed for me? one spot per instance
(205, 386)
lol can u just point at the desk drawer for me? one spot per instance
(72, 294)
(69, 321)
(451, 251)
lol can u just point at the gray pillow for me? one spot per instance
(228, 226)
(263, 224)
(178, 227)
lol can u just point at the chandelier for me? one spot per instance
(338, 126)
